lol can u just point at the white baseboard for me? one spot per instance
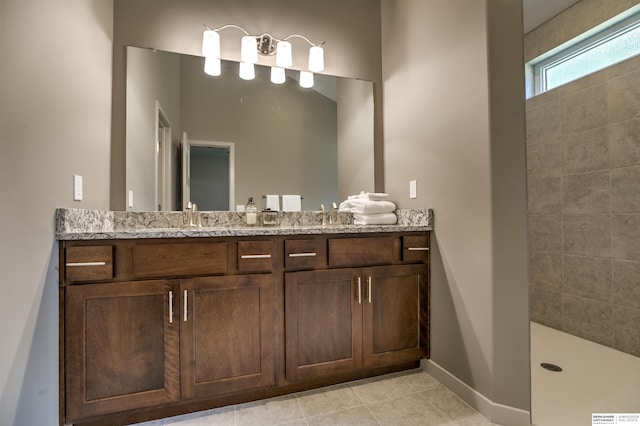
(497, 413)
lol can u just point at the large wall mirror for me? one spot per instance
(219, 140)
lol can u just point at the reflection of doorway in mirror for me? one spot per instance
(163, 163)
(208, 174)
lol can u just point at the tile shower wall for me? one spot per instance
(583, 161)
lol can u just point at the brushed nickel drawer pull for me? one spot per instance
(369, 282)
(255, 256)
(359, 290)
(418, 248)
(170, 307)
(309, 254)
(185, 305)
(86, 264)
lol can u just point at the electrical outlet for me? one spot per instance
(413, 190)
(130, 203)
(77, 188)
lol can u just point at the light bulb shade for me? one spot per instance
(247, 71)
(212, 66)
(316, 59)
(306, 79)
(283, 54)
(211, 44)
(278, 75)
(249, 50)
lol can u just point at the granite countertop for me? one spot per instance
(82, 224)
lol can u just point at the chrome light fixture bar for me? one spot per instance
(265, 44)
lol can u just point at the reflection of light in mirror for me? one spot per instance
(306, 79)
(212, 66)
(278, 75)
(247, 71)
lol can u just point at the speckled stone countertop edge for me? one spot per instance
(83, 224)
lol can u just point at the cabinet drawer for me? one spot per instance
(364, 251)
(415, 248)
(305, 254)
(89, 263)
(255, 256)
(176, 259)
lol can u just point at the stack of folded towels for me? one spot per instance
(370, 208)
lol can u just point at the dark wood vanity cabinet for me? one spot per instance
(153, 328)
(338, 320)
(120, 347)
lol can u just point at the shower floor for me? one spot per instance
(595, 379)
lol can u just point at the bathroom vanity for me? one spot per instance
(153, 326)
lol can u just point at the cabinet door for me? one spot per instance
(392, 323)
(323, 323)
(227, 329)
(121, 347)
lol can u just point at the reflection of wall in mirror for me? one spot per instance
(151, 77)
(285, 136)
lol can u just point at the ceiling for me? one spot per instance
(537, 12)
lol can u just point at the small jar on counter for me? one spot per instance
(269, 217)
(251, 212)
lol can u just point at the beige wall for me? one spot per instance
(351, 31)
(55, 85)
(454, 121)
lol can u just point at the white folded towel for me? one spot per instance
(375, 196)
(273, 203)
(366, 206)
(375, 219)
(291, 203)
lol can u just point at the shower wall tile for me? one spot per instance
(626, 283)
(588, 277)
(543, 123)
(544, 159)
(587, 193)
(625, 190)
(584, 262)
(627, 330)
(587, 235)
(545, 233)
(625, 236)
(624, 143)
(546, 307)
(583, 83)
(545, 270)
(544, 195)
(542, 99)
(587, 318)
(584, 110)
(624, 67)
(624, 97)
(585, 151)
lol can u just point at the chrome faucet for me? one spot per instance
(333, 210)
(324, 215)
(193, 218)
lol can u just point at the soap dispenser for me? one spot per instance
(251, 212)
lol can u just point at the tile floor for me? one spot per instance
(407, 398)
(595, 379)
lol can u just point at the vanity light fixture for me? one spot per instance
(266, 45)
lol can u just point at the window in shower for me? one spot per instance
(612, 42)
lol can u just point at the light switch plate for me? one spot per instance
(77, 188)
(413, 190)
(130, 200)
